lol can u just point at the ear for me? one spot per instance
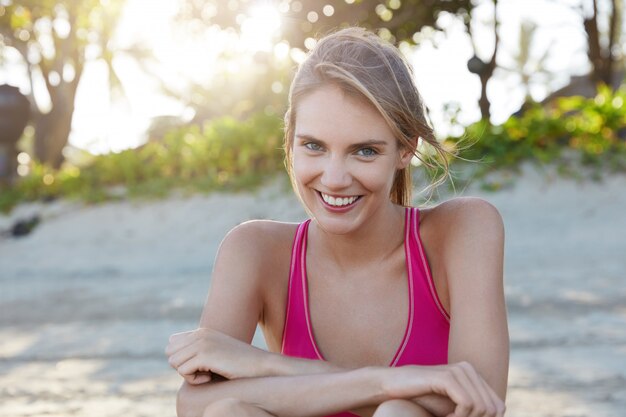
(405, 157)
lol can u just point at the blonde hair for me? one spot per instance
(363, 65)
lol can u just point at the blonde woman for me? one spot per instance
(370, 307)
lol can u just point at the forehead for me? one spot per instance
(329, 114)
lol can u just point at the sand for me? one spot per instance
(88, 300)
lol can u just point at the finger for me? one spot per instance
(451, 388)
(179, 340)
(460, 396)
(485, 405)
(203, 377)
(192, 366)
(172, 348)
(493, 401)
(476, 407)
(498, 404)
(198, 378)
(182, 335)
(182, 356)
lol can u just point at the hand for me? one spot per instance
(460, 382)
(200, 353)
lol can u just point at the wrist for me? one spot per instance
(276, 364)
(376, 378)
(272, 364)
(386, 380)
(404, 382)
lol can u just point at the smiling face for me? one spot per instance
(344, 159)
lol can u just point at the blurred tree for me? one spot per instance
(237, 90)
(55, 39)
(303, 19)
(484, 68)
(398, 21)
(603, 48)
(531, 68)
(603, 23)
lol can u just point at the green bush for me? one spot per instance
(223, 153)
(594, 129)
(228, 154)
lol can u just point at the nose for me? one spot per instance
(336, 175)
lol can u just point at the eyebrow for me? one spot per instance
(369, 142)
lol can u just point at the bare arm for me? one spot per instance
(306, 395)
(252, 373)
(329, 393)
(473, 257)
(208, 350)
(440, 395)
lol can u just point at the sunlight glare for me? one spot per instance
(260, 27)
(298, 55)
(281, 50)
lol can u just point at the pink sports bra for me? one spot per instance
(425, 339)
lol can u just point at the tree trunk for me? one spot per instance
(483, 103)
(602, 59)
(485, 70)
(52, 132)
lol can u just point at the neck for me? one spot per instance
(382, 235)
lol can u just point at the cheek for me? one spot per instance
(376, 176)
(304, 168)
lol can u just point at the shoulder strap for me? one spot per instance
(296, 337)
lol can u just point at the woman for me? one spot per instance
(371, 307)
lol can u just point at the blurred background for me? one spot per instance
(168, 115)
(181, 81)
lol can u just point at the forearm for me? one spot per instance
(242, 363)
(303, 395)
(280, 365)
(276, 364)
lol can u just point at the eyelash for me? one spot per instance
(372, 154)
(317, 147)
(312, 146)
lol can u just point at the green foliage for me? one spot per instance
(227, 154)
(592, 130)
(223, 154)
(56, 39)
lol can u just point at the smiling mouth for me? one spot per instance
(338, 201)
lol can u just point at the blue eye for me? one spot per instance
(313, 146)
(369, 152)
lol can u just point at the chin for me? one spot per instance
(334, 226)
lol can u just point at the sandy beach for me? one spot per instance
(88, 300)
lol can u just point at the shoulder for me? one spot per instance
(468, 236)
(257, 240)
(464, 219)
(255, 231)
(251, 261)
(464, 209)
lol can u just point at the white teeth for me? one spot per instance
(338, 201)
